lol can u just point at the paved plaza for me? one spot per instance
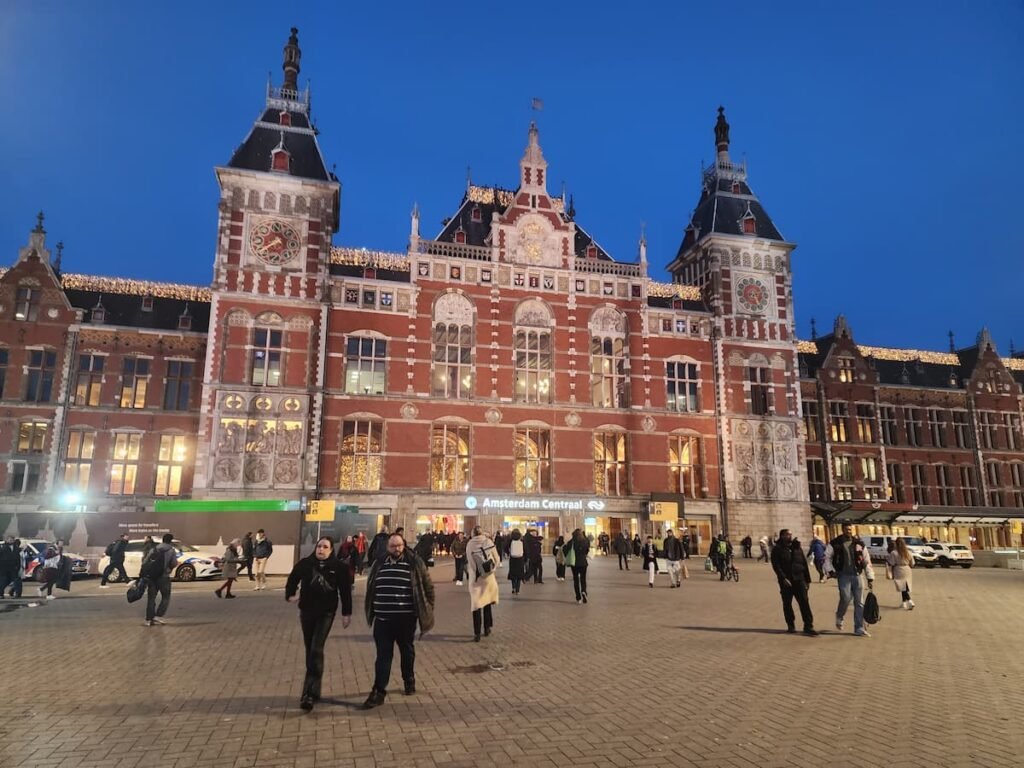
(701, 676)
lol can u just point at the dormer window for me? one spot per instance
(280, 160)
(99, 314)
(735, 187)
(185, 321)
(845, 366)
(370, 273)
(591, 251)
(147, 303)
(284, 118)
(460, 236)
(749, 225)
(26, 304)
(475, 214)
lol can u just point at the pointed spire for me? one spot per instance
(60, 256)
(841, 329)
(952, 344)
(643, 243)
(985, 341)
(469, 177)
(533, 166)
(292, 54)
(814, 329)
(571, 211)
(1013, 349)
(722, 136)
(414, 223)
(39, 223)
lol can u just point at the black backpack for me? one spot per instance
(872, 615)
(109, 551)
(154, 566)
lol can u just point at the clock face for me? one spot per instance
(274, 242)
(752, 294)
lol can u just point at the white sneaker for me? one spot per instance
(905, 605)
(910, 605)
(147, 623)
(458, 583)
(839, 624)
(51, 597)
(104, 586)
(862, 633)
(159, 621)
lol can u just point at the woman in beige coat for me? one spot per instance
(901, 560)
(482, 563)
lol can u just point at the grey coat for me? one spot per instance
(901, 573)
(231, 562)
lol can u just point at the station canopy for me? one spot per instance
(885, 513)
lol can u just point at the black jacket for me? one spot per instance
(533, 547)
(8, 557)
(117, 552)
(247, 545)
(322, 583)
(378, 548)
(674, 549)
(789, 562)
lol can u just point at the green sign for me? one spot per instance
(236, 505)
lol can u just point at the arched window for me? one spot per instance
(361, 460)
(531, 450)
(609, 374)
(685, 467)
(449, 458)
(533, 353)
(452, 375)
(610, 464)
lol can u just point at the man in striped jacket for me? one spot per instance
(399, 594)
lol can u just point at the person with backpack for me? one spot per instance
(156, 570)
(747, 543)
(577, 552)
(533, 547)
(675, 556)
(262, 550)
(848, 560)
(482, 556)
(816, 551)
(723, 548)
(622, 549)
(516, 560)
(115, 551)
(316, 583)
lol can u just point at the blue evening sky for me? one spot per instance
(883, 138)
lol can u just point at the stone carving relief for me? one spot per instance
(765, 456)
(649, 424)
(572, 419)
(453, 308)
(259, 440)
(493, 416)
(533, 313)
(409, 411)
(607, 321)
(286, 472)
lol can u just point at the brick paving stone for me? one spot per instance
(698, 676)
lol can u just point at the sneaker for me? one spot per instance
(410, 687)
(104, 586)
(790, 629)
(217, 593)
(159, 621)
(579, 602)
(811, 632)
(584, 597)
(51, 597)
(458, 583)
(230, 597)
(910, 605)
(839, 624)
(862, 633)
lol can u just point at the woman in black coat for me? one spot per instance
(320, 580)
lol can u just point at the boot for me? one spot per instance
(375, 699)
(410, 687)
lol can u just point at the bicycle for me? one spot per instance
(732, 573)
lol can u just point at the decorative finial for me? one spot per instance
(60, 255)
(469, 177)
(643, 232)
(1013, 349)
(571, 212)
(722, 133)
(39, 222)
(952, 344)
(292, 54)
(814, 329)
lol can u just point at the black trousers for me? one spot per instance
(798, 591)
(559, 570)
(579, 580)
(537, 569)
(315, 629)
(488, 619)
(460, 568)
(163, 586)
(110, 567)
(623, 559)
(246, 563)
(386, 633)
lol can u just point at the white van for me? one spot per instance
(923, 554)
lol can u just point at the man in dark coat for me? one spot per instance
(8, 564)
(378, 547)
(790, 566)
(533, 549)
(247, 555)
(115, 551)
(622, 548)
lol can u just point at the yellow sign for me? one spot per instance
(665, 511)
(1017, 526)
(320, 512)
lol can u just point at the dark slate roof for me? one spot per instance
(478, 232)
(720, 210)
(300, 140)
(354, 270)
(126, 309)
(666, 302)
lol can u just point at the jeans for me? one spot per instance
(123, 577)
(315, 629)
(851, 590)
(675, 572)
(460, 568)
(13, 581)
(517, 582)
(623, 559)
(819, 566)
(798, 591)
(387, 632)
(579, 580)
(488, 619)
(163, 586)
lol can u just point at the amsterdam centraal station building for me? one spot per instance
(506, 371)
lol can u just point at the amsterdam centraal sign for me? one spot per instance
(533, 504)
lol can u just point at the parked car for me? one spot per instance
(923, 554)
(193, 563)
(37, 551)
(950, 554)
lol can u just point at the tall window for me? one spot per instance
(39, 381)
(78, 459)
(365, 362)
(760, 390)
(177, 385)
(32, 436)
(838, 413)
(24, 477)
(684, 461)
(608, 381)
(989, 426)
(961, 430)
(937, 427)
(682, 386)
(170, 464)
(919, 483)
(125, 463)
(265, 370)
(134, 382)
(968, 485)
(1012, 429)
(912, 422)
(869, 469)
(816, 480)
(453, 361)
(3, 370)
(531, 451)
(610, 463)
(449, 458)
(995, 494)
(944, 478)
(845, 366)
(533, 366)
(26, 304)
(865, 423)
(812, 421)
(843, 468)
(897, 492)
(1017, 483)
(90, 379)
(887, 418)
(362, 460)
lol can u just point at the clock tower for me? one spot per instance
(263, 389)
(733, 251)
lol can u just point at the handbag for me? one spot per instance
(871, 613)
(709, 565)
(137, 589)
